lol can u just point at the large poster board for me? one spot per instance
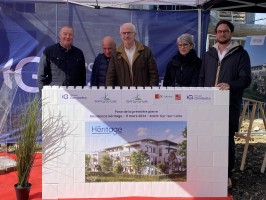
(159, 142)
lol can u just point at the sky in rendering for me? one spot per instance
(99, 137)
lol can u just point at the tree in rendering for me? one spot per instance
(139, 160)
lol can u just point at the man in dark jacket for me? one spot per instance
(227, 66)
(101, 62)
(62, 64)
(133, 63)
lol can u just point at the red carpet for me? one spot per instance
(8, 180)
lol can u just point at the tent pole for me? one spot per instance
(56, 22)
(199, 32)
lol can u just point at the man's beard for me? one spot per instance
(224, 41)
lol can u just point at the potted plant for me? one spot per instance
(29, 126)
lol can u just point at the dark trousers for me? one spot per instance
(231, 153)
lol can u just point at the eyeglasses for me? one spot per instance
(127, 33)
(183, 45)
(223, 31)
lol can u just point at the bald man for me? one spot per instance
(101, 62)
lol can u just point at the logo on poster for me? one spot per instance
(106, 130)
(198, 97)
(137, 99)
(65, 96)
(158, 96)
(190, 97)
(73, 96)
(105, 99)
(161, 96)
(177, 96)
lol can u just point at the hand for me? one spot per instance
(223, 86)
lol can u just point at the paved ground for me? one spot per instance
(6, 164)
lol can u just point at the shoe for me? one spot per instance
(229, 184)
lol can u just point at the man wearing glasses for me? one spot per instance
(226, 65)
(183, 69)
(133, 63)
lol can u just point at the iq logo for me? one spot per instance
(65, 96)
(190, 97)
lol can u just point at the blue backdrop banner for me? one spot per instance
(26, 29)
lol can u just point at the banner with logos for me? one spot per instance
(26, 30)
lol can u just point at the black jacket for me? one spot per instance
(99, 70)
(183, 70)
(62, 67)
(235, 70)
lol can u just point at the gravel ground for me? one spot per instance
(250, 184)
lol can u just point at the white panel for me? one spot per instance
(220, 128)
(203, 128)
(79, 175)
(220, 158)
(192, 143)
(80, 190)
(204, 190)
(221, 176)
(204, 158)
(207, 141)
(102, 190)
(220, 189)
(204, 174)
(221, 97)
(49, 191)
(220, 144)
(136, 189)
(168, 189)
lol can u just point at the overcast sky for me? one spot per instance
(260, 18)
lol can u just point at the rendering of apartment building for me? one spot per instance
(157, 152)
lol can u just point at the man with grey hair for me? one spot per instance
(183, 69)
(133, 63)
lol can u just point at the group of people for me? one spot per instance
(226, 65)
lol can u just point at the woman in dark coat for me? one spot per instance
(183, 70)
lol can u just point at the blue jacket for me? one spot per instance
(99, 70)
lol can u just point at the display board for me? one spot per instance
(159, 142)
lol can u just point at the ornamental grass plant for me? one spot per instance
(29, 126)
